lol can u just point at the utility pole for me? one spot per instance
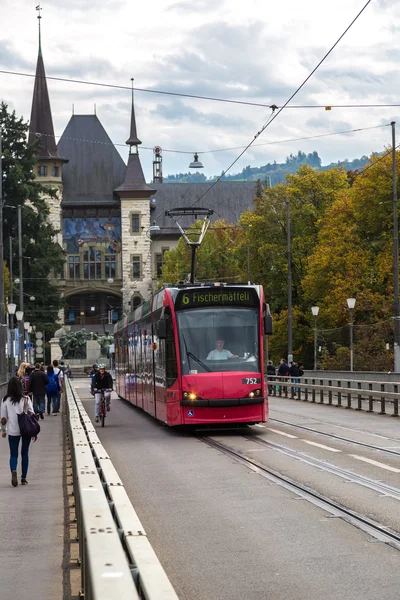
(289, 280)
(2, 309)
(21, 329)
(395, 256)
(11, 272)
(248, 264)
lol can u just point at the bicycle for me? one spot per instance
(103, 405)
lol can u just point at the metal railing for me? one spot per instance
(371, 396)
(117, 559)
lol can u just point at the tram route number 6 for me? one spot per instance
(251, 380)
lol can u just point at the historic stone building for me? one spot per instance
(104, 210)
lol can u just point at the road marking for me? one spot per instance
(289, 435)
(376, 463)
(258, 425)
(321, 446)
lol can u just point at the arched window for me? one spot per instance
(136, 300)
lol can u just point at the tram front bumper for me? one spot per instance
(221, 403)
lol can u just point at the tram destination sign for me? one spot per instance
(198, 298)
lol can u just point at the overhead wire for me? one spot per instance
(274, 143)
(274, 114)
(327, 106)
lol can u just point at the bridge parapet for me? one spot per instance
(117, 559)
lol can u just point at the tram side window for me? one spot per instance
(171, 367)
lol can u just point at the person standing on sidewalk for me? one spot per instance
(12, 406)
(37, 386)
(60, 375)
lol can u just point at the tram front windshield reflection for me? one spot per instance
(223, 339)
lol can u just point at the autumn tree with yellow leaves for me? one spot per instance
(341, 247)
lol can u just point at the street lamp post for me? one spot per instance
(21, 284)
(20, 319)
(351, 302)
(315, 311)
(26, 327)
(11, 307)
(2, 310)
(395, 257)
(289, 285)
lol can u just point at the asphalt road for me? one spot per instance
(223, 532)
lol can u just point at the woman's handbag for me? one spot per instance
(28, 423)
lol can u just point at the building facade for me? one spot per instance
(104, 209)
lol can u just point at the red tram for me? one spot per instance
(193, 355)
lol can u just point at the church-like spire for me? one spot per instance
(133, 138)
(134, 181)
(41, 123)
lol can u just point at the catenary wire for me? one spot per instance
(328, 105)
(274, 114)
(117, 144)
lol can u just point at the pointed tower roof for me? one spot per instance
(133, 139)
(41, 123)
(134, 182)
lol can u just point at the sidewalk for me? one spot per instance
(32, 520)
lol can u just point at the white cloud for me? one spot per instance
(258, 51)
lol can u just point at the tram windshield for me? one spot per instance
(219, 339)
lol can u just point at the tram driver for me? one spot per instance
(220, 353)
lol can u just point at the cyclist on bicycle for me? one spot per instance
(102, 381)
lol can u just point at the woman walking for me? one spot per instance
(13, 405)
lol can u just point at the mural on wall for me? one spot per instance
(83, 230)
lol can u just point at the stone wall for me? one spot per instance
(135, 244)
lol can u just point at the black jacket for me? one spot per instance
(37, 383)
(271, 370)
(294, 371)
(102, 383)
(283, 369)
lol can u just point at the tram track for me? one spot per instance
(341, 438)
(373, 528)
(322, 465)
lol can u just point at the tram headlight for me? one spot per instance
(254, 394)
(190, 396)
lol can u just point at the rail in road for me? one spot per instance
(371, 396)
(375, 529)
(115, 555)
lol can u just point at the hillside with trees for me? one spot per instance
(274, 173)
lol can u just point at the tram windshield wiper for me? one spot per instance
(191, 355)
(198, 361)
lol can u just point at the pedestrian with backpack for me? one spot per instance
(13, 405)
(53, 389)
(60, 375)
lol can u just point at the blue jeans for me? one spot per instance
(13, 440)
(54, 402)
(38, 404)
(295, 380)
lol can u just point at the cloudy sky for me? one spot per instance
(257, 51)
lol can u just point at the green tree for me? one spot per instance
(43, 258)
(219, 257)
(354, 258)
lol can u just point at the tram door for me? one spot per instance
(139, 366)
(148, 380)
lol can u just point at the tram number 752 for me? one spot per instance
(250, 380)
